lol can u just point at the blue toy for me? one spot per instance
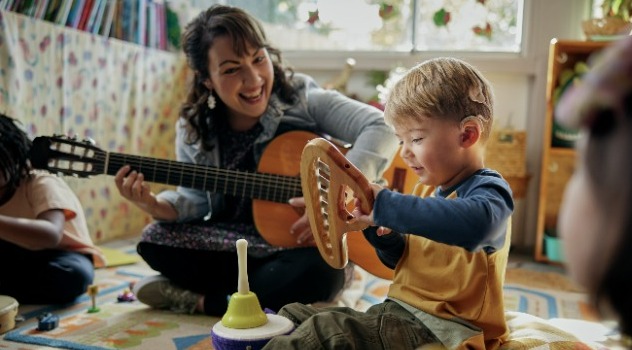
(47, 321)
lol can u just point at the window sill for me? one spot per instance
(365, 61)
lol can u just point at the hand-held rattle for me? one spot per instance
(327, 178)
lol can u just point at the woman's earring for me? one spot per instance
(210, 101)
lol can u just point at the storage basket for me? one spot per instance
(506, 153)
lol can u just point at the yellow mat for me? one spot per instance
(116, 257)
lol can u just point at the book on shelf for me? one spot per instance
(106, 25)
(96, 17)
(148, 23)
(75, 13)
(85, 13)
(64, 11)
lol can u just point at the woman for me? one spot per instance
(240, 100)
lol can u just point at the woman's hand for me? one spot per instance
(301, 228)
(131, 185)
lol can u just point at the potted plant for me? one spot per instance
(617, 8)
(615, 20)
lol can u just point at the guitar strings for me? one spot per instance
(271, 187)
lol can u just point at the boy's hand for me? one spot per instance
(367, 218)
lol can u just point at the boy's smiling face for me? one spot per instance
(433, 149)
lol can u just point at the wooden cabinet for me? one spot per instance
(567, 61)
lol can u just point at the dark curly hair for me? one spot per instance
(14, 154)
(197, 39)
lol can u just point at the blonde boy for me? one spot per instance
(448, 242)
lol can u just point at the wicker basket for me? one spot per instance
(608, 26)
(506, 153)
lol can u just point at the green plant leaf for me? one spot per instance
(441, 18)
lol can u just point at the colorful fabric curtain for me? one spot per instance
(125, 97)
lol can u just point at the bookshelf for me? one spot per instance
(558, 156)
(149, 23)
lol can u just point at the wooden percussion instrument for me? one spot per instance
(329, 182)
(8, 311)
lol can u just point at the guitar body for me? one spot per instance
(273, 220)
(282, 156)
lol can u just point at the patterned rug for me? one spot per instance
(125, 325)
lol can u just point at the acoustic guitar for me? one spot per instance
(276, 180)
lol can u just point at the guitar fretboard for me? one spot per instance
(270, 187)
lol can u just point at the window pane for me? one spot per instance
(469, 25)
(386, 25)
(340, 25)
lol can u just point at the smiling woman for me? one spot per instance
(243, 103)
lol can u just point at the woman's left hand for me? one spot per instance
(301, 228)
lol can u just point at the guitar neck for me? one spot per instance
(269, 187)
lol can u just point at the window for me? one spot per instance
(390, 25)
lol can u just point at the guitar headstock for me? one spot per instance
(66, 155)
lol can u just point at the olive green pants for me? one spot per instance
(383, 326)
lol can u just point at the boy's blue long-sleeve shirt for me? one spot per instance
(473, 217)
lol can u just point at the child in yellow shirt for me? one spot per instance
(448, 242)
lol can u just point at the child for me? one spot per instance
(46, 253)
(449, 242)
(594, 217)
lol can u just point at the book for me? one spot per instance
(141, 23)
(152, 25)
(51, 10)
(75, 13)
(40, 9)
(85, 14)
(17, 5)
(64, 12)
(106, 25)
(126, 24)
(94, 24)
(92, 16)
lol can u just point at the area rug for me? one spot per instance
(123, 326)
(136, 327)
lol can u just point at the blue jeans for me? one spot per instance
(44, 276)
(382, 326)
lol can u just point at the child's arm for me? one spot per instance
(389, 247)
(367, 218)
(472, 221)
(44, 232)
